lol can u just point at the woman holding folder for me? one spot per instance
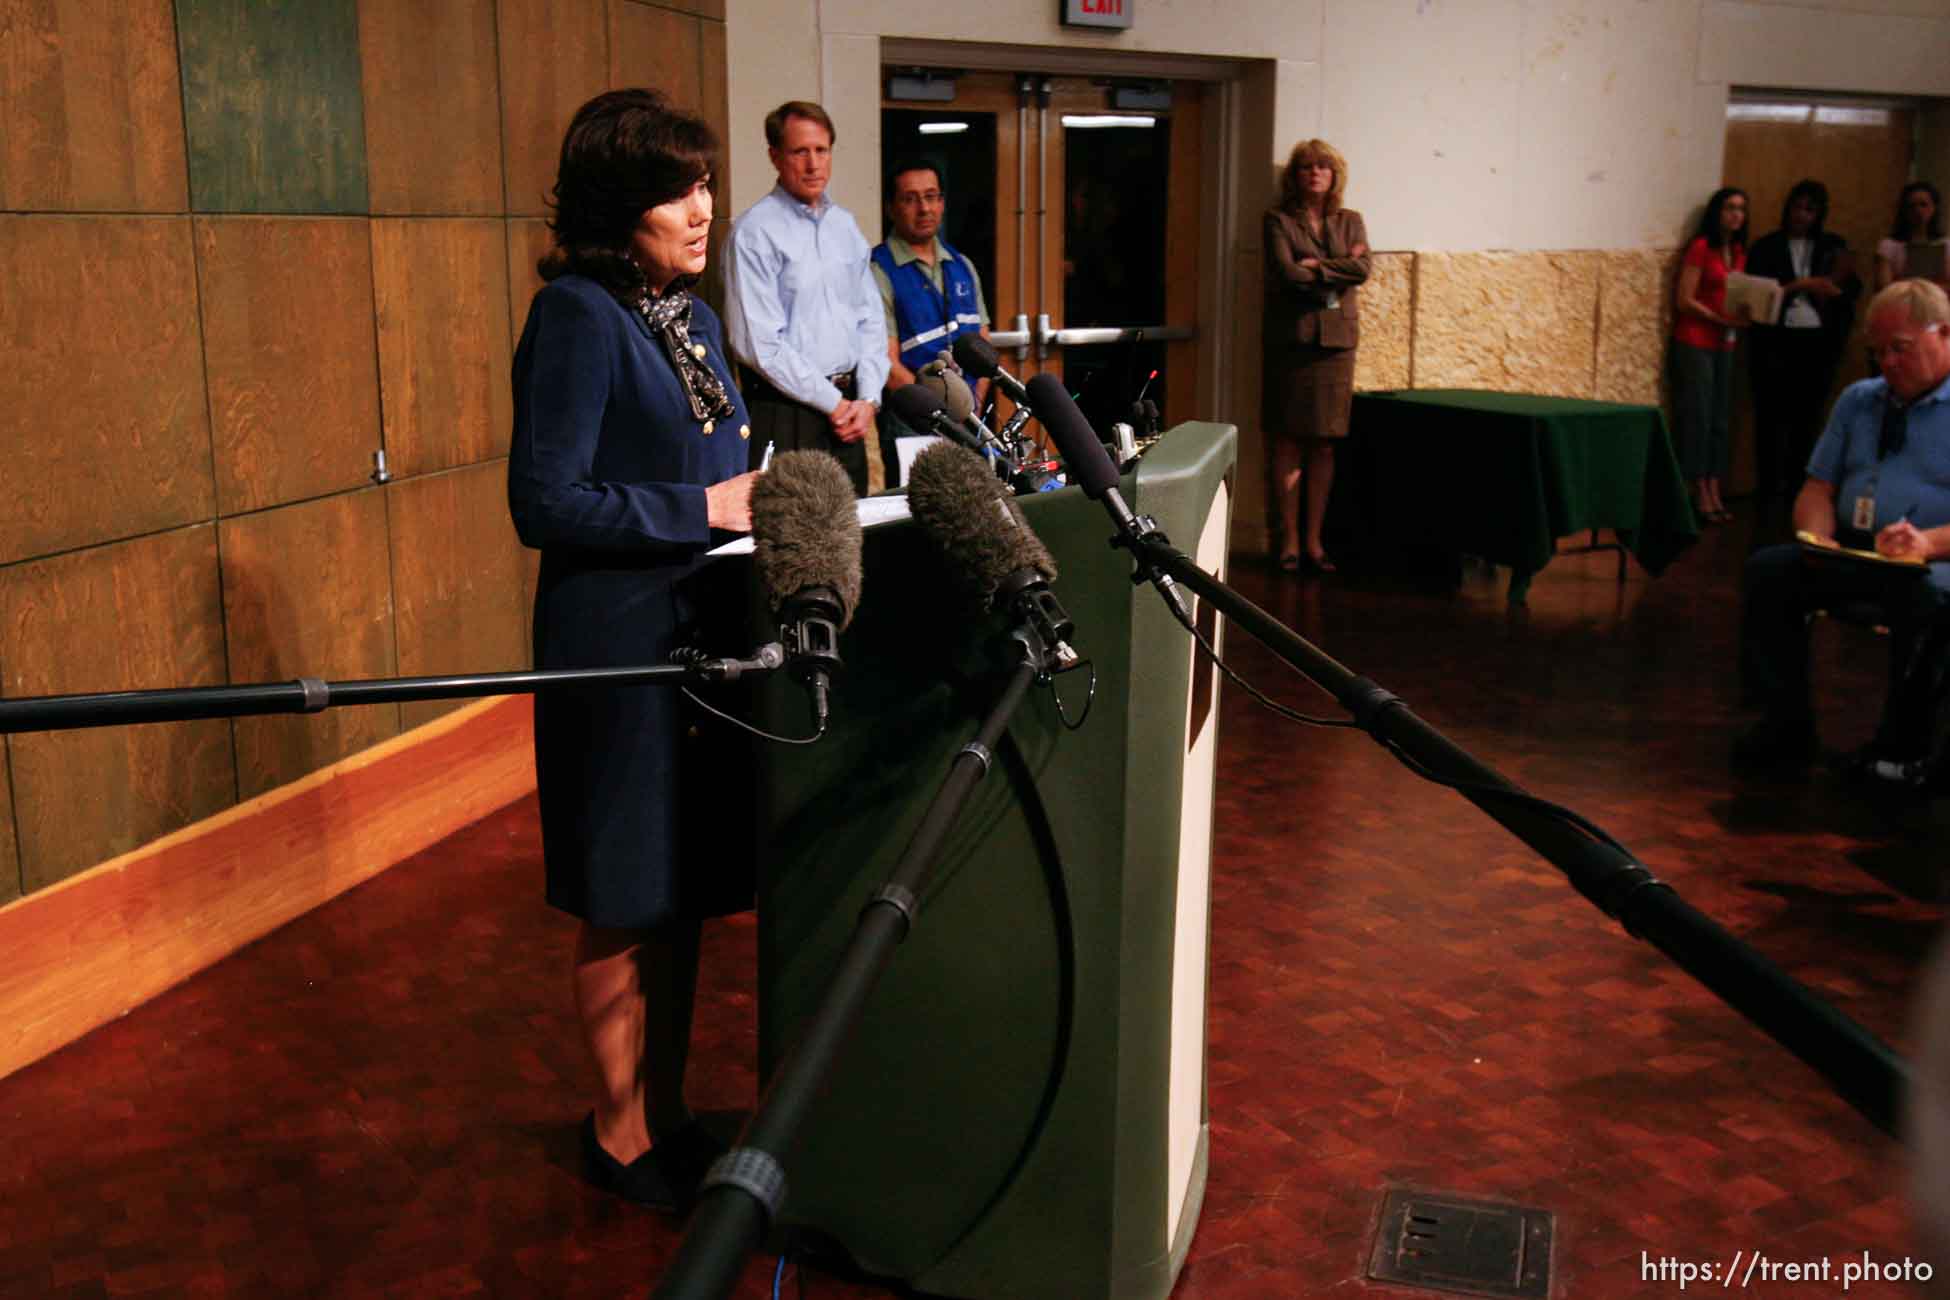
(1703, 337)
(1795, 354)
(1918, 221)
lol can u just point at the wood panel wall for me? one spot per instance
(246, 245)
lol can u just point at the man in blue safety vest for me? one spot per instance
(931, 293)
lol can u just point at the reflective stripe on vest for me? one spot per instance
(922, 320)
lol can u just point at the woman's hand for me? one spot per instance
(728, 505)
(1310, 264)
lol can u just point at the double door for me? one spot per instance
(1077, 201)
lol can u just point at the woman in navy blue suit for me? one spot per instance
(630, 446)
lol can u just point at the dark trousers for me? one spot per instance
(1792, 372)
(786, 425)
(1778, 590)
(1701, 383)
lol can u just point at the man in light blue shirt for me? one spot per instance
(1879, 479)
(802, 311)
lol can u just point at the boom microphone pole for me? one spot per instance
(311, 695)
(1089, 466)
(806, 552)
(1860, 1067)
(953, 496)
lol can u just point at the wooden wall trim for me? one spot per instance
(86, 950)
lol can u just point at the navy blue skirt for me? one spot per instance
(642, 800)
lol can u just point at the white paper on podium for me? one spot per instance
(872, 511)
(910, 446)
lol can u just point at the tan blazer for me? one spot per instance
(1297, 297)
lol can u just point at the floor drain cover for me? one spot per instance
(1454, 1243)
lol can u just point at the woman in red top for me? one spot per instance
(1703, 335)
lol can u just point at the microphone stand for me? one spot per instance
(742, 1193)
(1860, 1067)
(311, 695)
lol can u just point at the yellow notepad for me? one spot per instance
(1828, 547)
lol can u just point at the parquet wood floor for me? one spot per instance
(380, 1099)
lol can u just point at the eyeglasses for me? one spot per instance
(1900, 347)
(925, 199)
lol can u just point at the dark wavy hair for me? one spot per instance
(626, 151)
(1709, 222)
(1899, 228)
(1812, 190)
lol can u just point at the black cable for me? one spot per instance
(1521, 797)
(1090, 697)
(1292, 715)
(742, 725)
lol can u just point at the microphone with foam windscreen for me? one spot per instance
(806, 545)
(977, 524)
(978, 356)
(921, 409)
(1090, 467)
(940, 378)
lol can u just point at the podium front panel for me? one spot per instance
(1020, 1112)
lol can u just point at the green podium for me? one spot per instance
(1021, 1112)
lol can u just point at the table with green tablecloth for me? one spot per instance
(1504, 475)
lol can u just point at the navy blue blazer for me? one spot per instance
(606, 476)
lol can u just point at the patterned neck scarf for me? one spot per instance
(669, 318)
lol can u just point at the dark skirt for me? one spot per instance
(1307, 391)
(631, 789)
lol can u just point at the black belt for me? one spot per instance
(757, 388)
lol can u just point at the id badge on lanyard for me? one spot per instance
(1864, 517)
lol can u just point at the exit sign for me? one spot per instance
(1098, 13)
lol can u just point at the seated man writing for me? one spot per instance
(1878, 478)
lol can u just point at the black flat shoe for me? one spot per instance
(665, 1177)
(1290, 563)
(684, 1156)
(642, 1180)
